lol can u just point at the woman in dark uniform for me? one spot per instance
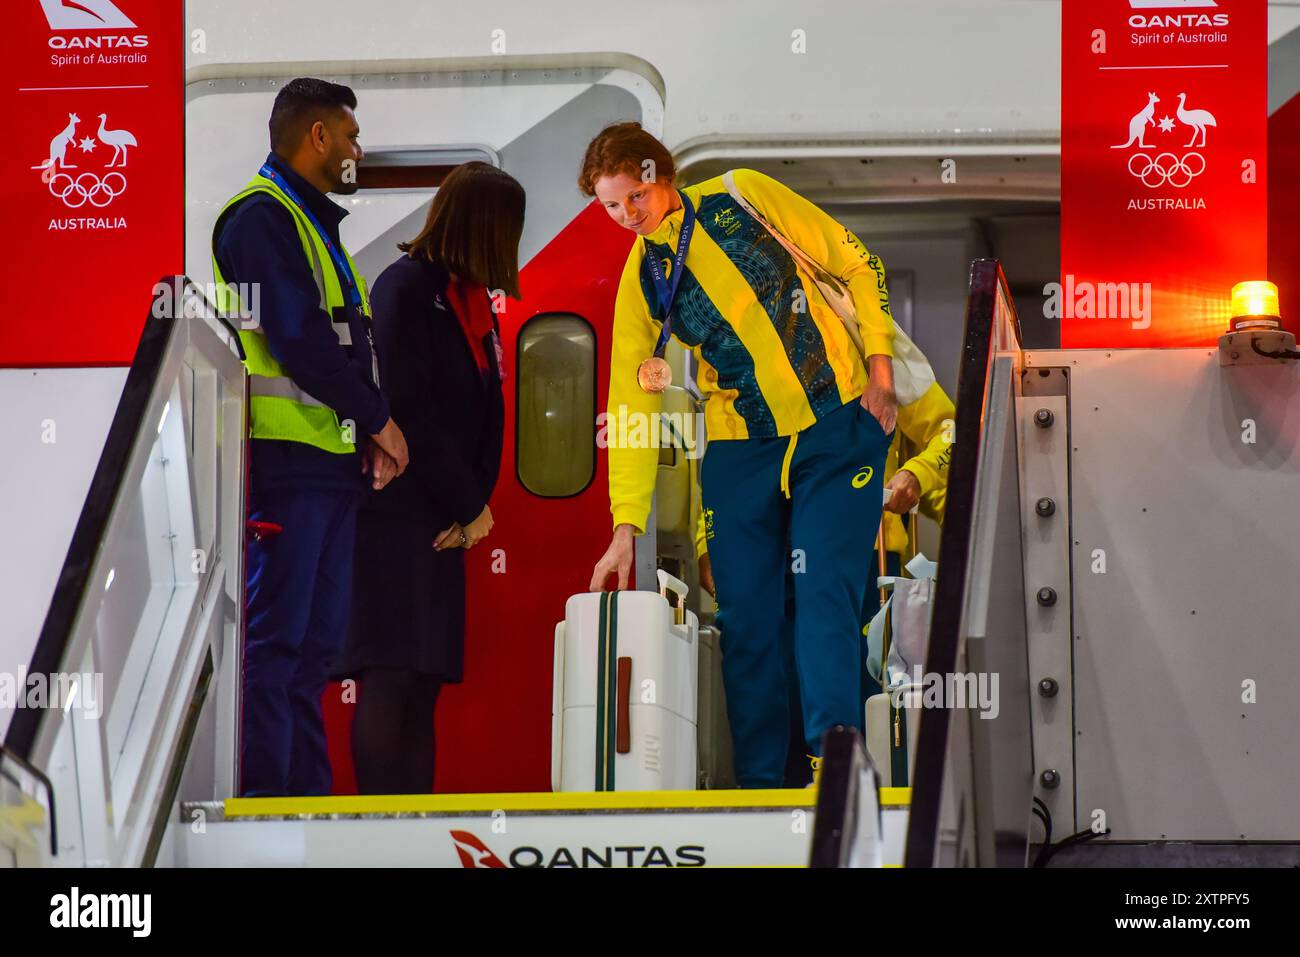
(440, 364)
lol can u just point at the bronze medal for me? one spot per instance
(654, 375)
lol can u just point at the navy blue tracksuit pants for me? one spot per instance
(798, 773)
(298, 596)
(822, 532)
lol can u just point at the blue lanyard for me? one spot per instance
(341, 266)
(665, 290)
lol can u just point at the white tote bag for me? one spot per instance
(912, 373)
(909, 608)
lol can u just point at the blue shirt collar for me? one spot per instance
(322, 207)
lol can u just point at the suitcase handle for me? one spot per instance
(667, 583)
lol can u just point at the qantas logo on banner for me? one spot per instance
(84, 15)
(1158, 20)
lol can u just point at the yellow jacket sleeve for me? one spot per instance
(832, 246)
(633, 458)
(928, 424)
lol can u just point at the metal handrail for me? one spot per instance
(988, 331)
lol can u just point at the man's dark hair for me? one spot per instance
(299, 104)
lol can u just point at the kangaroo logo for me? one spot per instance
(1138, 124)
(84, 15)
(59, 146)
(473, 852)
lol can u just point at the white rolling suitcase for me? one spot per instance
(623, 713)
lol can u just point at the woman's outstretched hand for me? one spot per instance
(906, 492)
(616, 560)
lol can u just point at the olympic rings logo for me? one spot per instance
(87, 188)
(1178, 173)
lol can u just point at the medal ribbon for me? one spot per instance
(665, 289)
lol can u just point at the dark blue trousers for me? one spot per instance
(297, 602)
(823, 534)
(798, 773)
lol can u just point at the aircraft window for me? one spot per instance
(555, 437)
(416, 169)
(401, 177)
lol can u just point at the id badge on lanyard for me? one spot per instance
(654, 375)
(342, 267)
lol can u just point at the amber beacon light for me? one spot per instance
(1254, 305)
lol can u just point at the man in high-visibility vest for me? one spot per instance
(314, 399)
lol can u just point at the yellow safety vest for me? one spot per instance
(278, 408)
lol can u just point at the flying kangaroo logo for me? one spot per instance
(473, 852)
(863, 477)
(85, 15)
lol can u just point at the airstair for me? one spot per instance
(1117, 552)
(150, 600)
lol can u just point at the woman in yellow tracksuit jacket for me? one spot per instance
(922, 480)
(798, 423)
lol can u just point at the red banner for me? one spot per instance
(94, 174)
(1164, 127)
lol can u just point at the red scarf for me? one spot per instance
(474, 310)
